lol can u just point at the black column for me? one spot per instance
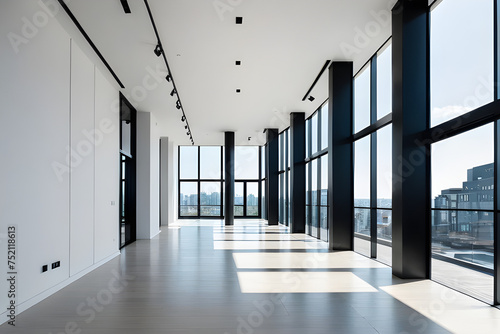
(340, 158)
(272, 182)
(410, 162)
(373, 159)
(229, 177)
(298, 172)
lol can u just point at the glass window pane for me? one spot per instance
(188, 162)
(362, 99)
(470, 244)
(314, 133)
(462, 171)
(462, 178)
(281, 151)
(324, 180)
(263, 200)
(461, 58)
(362, 231)
(362, 172)
(314, 182)
(238, 211)
(288, 147)
(189, 210)
(308, 141)
(210, 211)
(362, 221)
(238, 193)
(384, 236)
(246, 162)
(384, 82)
(263, 162)
(324, 126)
(210, 193)
(384, 167)
(252, 199)
(308, 184)
(189, 193)
(189, 198)
(210, 162)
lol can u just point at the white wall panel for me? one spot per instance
(82, 173)
(107, 168)
(34, 143)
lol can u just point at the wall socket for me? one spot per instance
(45, 268)
(56, 264)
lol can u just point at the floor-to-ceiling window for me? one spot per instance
(317, 173)
(201, 181)
(247, 181)
(462, 67)
(284, 177)
(372, 133)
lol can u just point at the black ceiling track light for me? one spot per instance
(160, 51)
(126, 7)
(316, 81)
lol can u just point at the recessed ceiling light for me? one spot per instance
(238, 90)
(238, 62)
(239, 20)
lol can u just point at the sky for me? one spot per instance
(461, 80)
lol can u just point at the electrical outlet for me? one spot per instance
(45, 268)
(56, 264)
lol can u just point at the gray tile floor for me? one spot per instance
(178, 283)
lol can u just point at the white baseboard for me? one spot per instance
(47, 293)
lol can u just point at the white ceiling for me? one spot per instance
(282, 45)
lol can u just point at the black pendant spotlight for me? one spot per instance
(158, 51)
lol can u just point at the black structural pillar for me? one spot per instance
(340, 159)
(229, 177)
(410, 159)
(298, 172)
(272, 177)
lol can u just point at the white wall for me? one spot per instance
(173, 182)
(107, 168)
(148, 161)
(82, 191)
(50, 94)
(164, 181)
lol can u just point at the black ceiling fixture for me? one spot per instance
(159, 51)
(238, 90)
(239, 20)
(316, 80)
(89, 40)
(238, 62)
(126, 7)
(311, 98)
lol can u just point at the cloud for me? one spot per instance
(448, 112)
